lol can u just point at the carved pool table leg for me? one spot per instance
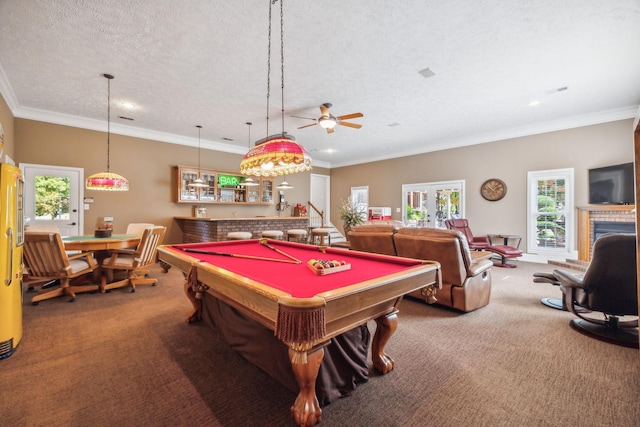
(386, 326)
(196, 314)
(165, 267)
(306, 409)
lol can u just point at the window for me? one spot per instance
(360, 199)
(550, 212)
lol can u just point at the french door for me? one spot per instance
(53, 196)
(429, 204)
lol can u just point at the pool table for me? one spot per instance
(271, 282)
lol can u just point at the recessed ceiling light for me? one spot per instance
(128, 105)
(534, 103)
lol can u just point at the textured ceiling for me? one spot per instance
(204, 62)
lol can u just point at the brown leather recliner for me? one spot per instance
(466, 275)
(375, 238)
(462, 225)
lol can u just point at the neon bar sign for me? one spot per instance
(228, 181)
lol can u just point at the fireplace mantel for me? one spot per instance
(590, 213)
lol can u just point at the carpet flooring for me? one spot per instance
(130, 359)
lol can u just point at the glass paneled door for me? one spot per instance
(52, 196)
(430, 204)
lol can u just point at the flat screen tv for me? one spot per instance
(612, 185)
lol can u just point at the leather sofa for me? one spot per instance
(466, 274)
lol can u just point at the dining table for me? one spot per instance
(93, 243)
(100, 247)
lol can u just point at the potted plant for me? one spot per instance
(351, 215)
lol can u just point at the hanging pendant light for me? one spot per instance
(198, 182)
(249, 182)
(107, 181)
(285, 186)
(278, 154)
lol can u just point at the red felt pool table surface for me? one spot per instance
(305, 310)
(298, 280)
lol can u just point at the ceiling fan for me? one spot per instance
(328, 121)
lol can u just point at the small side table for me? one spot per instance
(506, 239)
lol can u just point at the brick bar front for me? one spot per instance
(196, 230)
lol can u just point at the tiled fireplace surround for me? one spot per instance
(587, 215)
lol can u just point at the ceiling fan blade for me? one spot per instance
(351, 125)
(300, 117)
(329, 130)
(306, 126)
(350, 116)
(324, 110)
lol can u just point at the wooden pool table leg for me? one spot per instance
(386, 326)
(306, 409)
(196, 314)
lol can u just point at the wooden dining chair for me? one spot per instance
(135, 262)
(46, 261)
(138, 228)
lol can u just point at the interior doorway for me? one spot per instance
(53, 195)
(319, 192)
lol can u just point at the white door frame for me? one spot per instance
(320, 194)
(431, 188)
(68, 227)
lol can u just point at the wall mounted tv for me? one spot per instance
(612, 185)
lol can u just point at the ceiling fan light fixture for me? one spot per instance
(327, 122)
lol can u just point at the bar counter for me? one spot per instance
(196, 230)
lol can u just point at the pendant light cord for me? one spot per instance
(282, 62)
(199, 127)
(269, 64)
(109, 77)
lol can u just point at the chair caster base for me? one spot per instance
(554, 303)
(559, 305)
(626, 337)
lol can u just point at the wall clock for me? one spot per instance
(493, 189)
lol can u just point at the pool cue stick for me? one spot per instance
(264, 243)
(197, 251)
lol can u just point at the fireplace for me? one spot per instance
(589, 215)
(603, 227)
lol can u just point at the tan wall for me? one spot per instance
(6, 118)
(509, 160)
(149, 167)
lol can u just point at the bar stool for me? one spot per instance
(297, 235)
(318, 235)
(273, 234)
(239, 235)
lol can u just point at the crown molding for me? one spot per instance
(510, 133)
